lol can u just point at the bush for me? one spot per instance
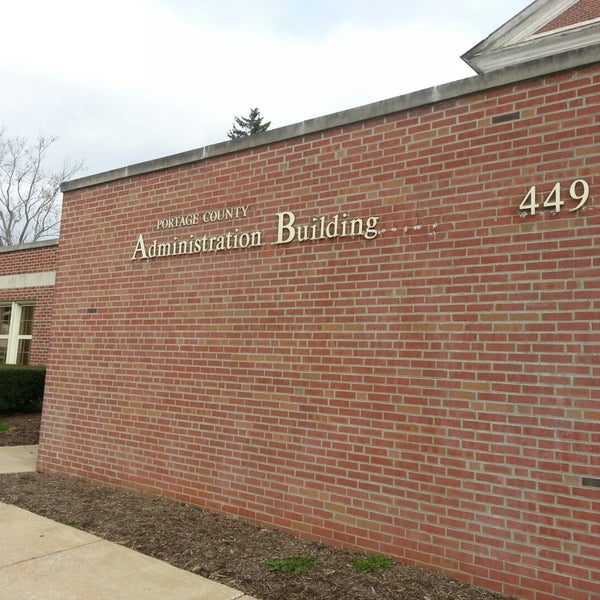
(21, 388)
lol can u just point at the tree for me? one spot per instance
(29, 197)
(245, 126)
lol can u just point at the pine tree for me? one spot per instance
(245, 126)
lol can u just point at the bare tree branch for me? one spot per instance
(30, 199)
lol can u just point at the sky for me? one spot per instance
(124, 81)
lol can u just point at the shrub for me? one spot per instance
(21, 388)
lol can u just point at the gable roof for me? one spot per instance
(545, 28)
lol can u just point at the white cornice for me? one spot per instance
(516, 41)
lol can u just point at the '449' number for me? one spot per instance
(579, 191)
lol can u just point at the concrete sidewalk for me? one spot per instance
(18, 459)
(41, 559)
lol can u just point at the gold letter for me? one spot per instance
(371, 231)
(140, 248)
(289, 227)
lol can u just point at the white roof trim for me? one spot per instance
(516, 41)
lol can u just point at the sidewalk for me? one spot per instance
(41, 559)
(18, 459)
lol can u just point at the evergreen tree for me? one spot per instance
(245, 126)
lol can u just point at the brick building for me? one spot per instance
(378, 329)
(27, 277)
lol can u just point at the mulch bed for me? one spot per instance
(221, 548)
(24, 430)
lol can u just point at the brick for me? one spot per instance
(431, 392)
(32, 260)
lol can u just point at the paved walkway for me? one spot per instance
(18, 459)
(41, 559)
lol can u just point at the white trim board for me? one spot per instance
(27, 280)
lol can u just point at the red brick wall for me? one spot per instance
(431, 394)
(28, 259)
(582, 11)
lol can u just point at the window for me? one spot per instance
(16, 325)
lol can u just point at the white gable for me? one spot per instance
(545, 28)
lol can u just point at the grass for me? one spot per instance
(70, 522)
(371, 564)
(294, 564)
(299, 564)
(4, 427)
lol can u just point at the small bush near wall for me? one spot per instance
(21, 388)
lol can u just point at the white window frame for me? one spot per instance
(14, 337)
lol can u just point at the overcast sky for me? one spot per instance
(124, 81)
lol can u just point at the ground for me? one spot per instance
(213, 545)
